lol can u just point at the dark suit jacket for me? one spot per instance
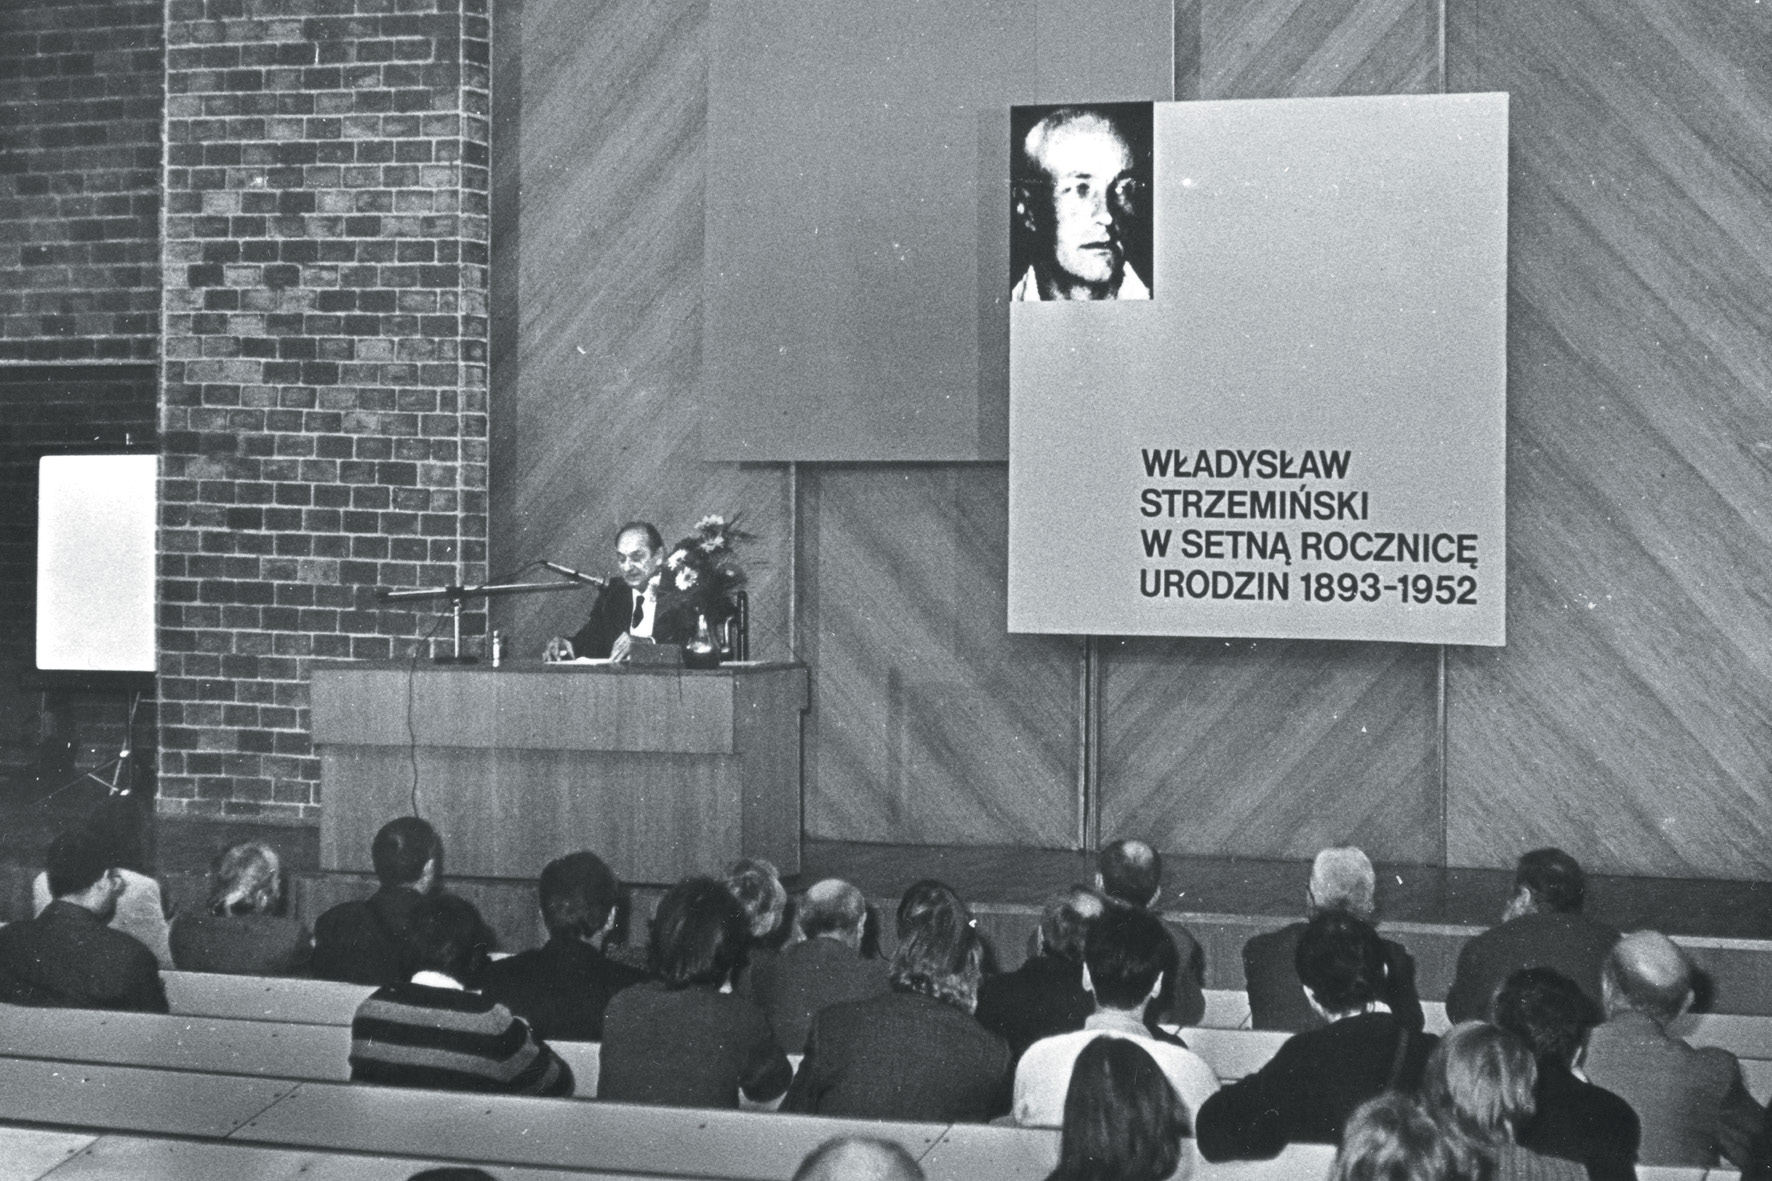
(792, 985)
(1276, 998)
(1309, 1088)
(1692, 1102)
(365, 942)
(1043, 997)
(561, 988)
(1184, 967)
(688, 1047)
(241, 944)
(66, 957)
(902, 1056)
(611, 615)
(1573, 944)
(1578, 1121)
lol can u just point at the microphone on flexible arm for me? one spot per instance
(576, 575)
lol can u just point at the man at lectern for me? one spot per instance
(624, 608)
(1078, 191)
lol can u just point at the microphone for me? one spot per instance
(576, 575)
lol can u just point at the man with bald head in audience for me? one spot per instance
(1045, 996)
(1541, 927)
(1341, 879)
(859, 1158)
(824, 968)
(1692, 1102)
(1130, 873)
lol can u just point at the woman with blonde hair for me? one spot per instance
(1478, 1086)
(244, 931)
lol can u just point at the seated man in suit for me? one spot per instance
(562, 988)
(822, 969)
(1573, 1119)
(1131, 874)
(1317, 1078)
(365, 942)
(914, 1052)
(1341, 879)
(1122, 969)
(1692, 1103)
(67, 956)
(432, 1031)
(625, 607)
(1045, 996)
(1542, 927)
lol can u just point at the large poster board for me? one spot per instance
(1297, 427)
(95, 562)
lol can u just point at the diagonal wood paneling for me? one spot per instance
(929, 724)
(600, 131)
(1627, 720)
(1279, 748)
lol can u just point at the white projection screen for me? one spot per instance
(95, 563)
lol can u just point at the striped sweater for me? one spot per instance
(417, 1035)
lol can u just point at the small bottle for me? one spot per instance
(498, 647)
(701, 651)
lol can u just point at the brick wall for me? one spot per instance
(80, 100)
(324, 405)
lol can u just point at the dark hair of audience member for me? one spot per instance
(1131, 871)
(124, 828)
(1548, 1011)
(941, 958)
(76, 859)
(1479, 1083)
(247, 879)
(859, 1158)
(924, 899)
(1555, 879)
(401, 850)
(699, 934)
(1391, 1138)
(449, 936)
(1122, 1119)
(756, 884)
(1065, 921)
(1340, 959)
(1124, 954)
(577, 893)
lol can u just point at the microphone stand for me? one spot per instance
(459, 595)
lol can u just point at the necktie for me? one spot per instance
(639, 610)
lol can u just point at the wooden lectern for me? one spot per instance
(662, 772)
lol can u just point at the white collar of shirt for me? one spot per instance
(1027, 288)
(1116, 1021)
(438, 980)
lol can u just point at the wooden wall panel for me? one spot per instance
(929, 724)
(1275, 749)
(1627, 719)
(600, 137)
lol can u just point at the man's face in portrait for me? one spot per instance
(636, 558)
(1079, 217)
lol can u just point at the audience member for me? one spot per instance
(67, 956)
(245, 931)
(563, 987)
(124, 829)
(1478, 1086)
(1316, 1079)
(1542, 927)
(1131, 874)
(915, 1052)
(859, 1158)
(1391, 1138)
(824, 968)
(1123, 970)
(1341, 879)
(757, 886)
(680, 1039)
(1572, 1118)
(1122, 1119)
(1692, 1103)
(365, 942)
(453, 1173)
(1044, 996)
(433, 1031)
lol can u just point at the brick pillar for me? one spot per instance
(323, 416)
